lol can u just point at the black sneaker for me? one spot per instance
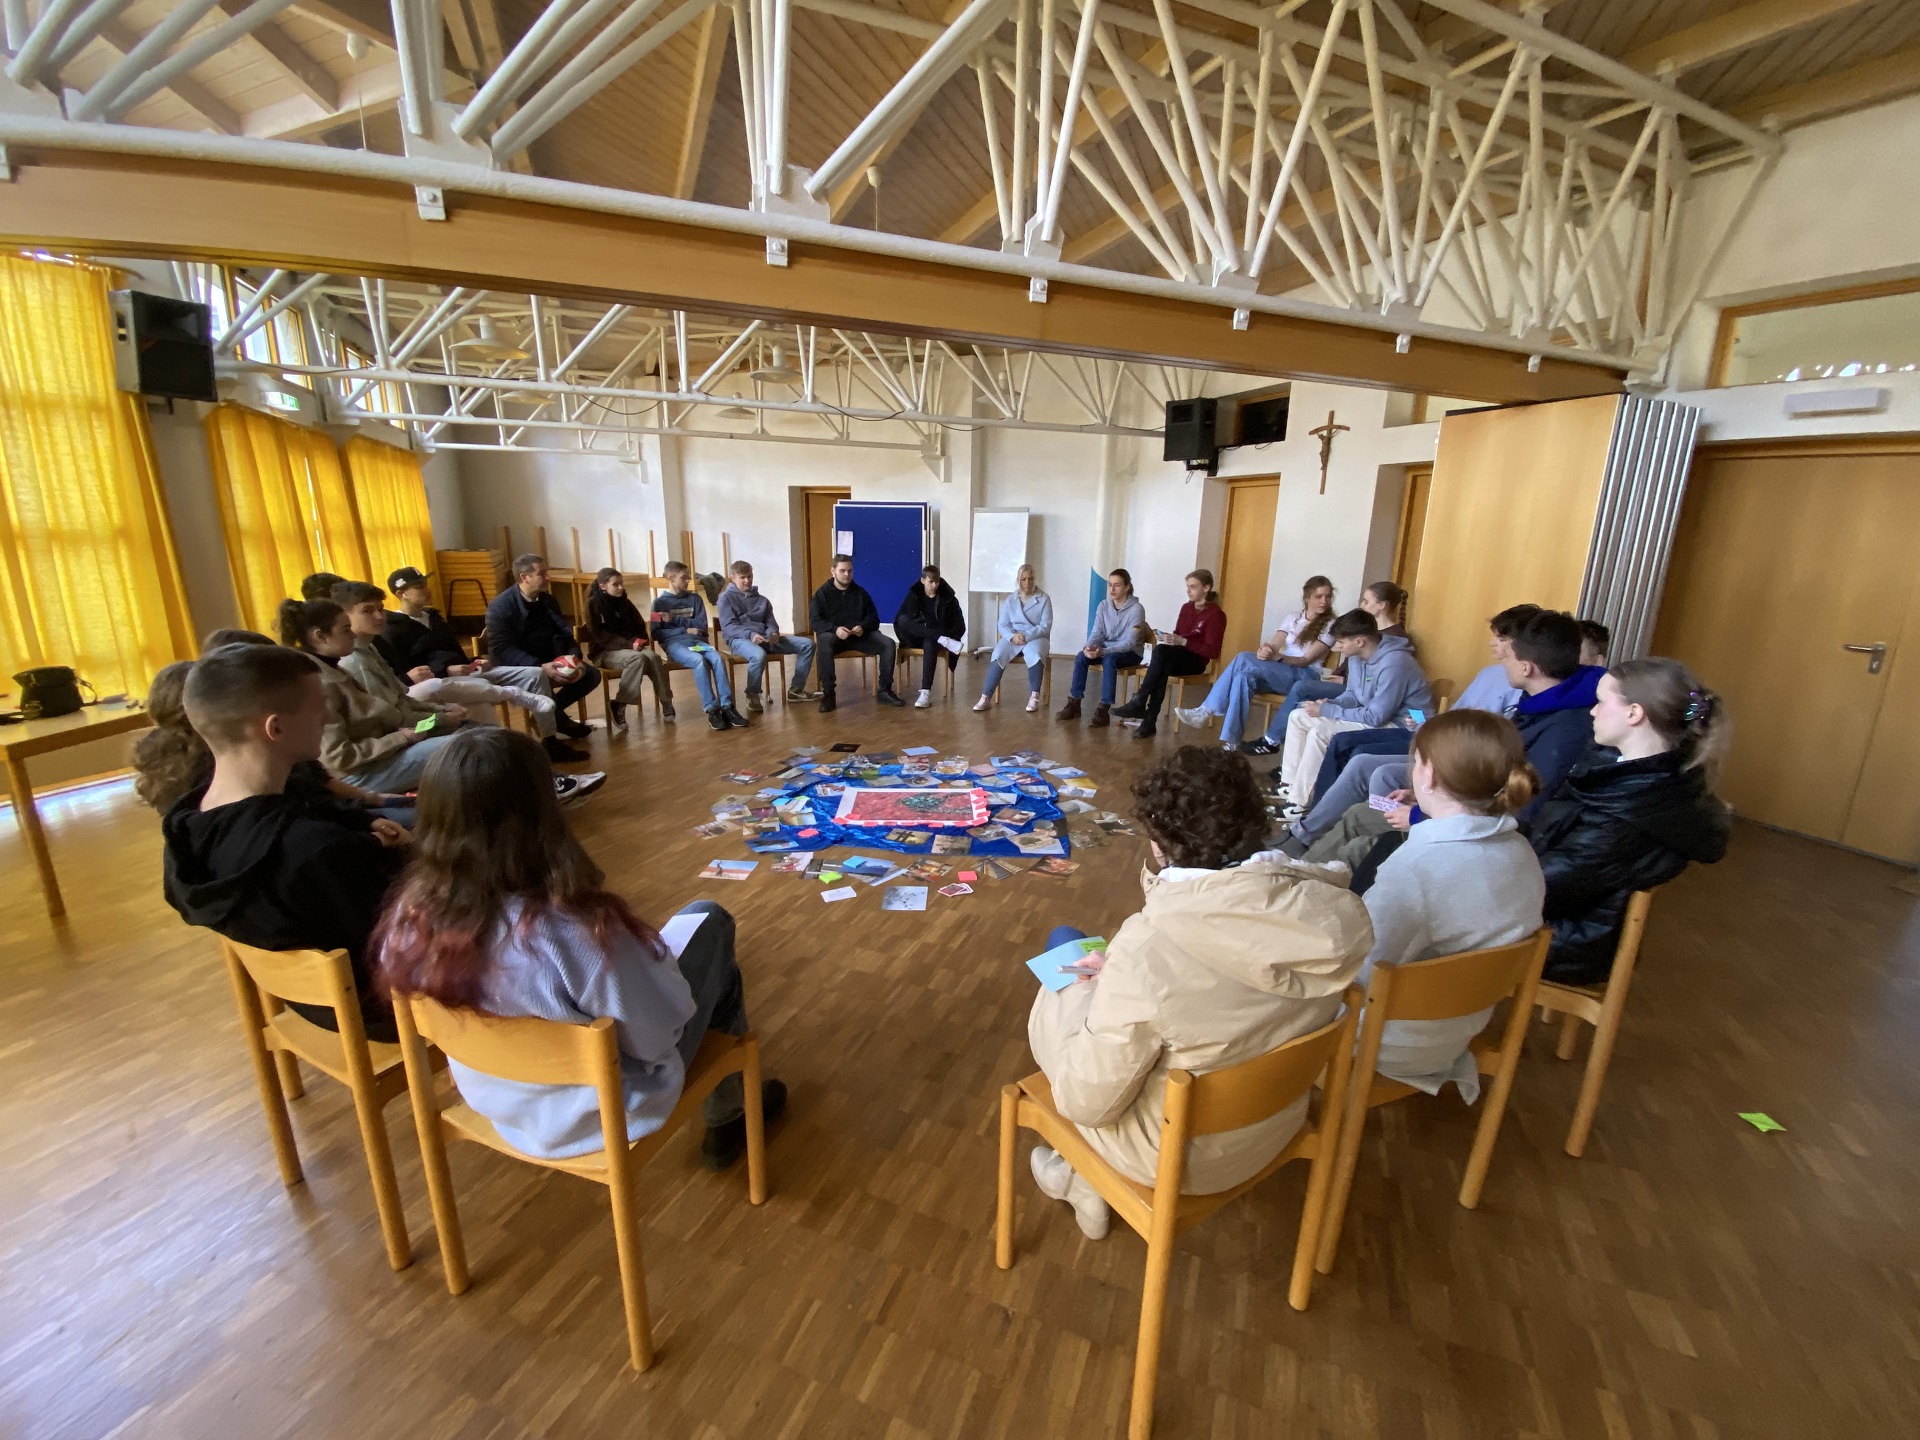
(561, 753)
(1145, 731)
(1132, 710)
(617, 712)
(887, 697)
(716, 719)
(733, 717)
(1262, 746)
(826, 704)
(727, 1142)
(571, 728)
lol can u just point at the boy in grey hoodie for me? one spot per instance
(1383, 683)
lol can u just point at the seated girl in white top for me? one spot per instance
(1025, 622)
(1465, 879)
(501, 911)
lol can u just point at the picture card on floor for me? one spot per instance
(1050, 969)
(1039, 845)
(794, 864)
(952, 845)
(845, 892)
(920, 750)
(905, 897)
(845, 747)
(712, 829)
(740, 777)
(956, 891)
(1056, 867)
(928, 870)
(729, 869)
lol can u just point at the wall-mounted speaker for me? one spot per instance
(163, 346)
(1190, 432)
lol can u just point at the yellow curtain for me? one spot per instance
(88, 572)
(285, 507)
(391, 498)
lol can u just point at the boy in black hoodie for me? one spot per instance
(258, 863)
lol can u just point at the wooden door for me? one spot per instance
(1246, 554)
(1413, 525)
(820, 505)
(1785, 555)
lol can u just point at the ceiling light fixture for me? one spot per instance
(777, 371)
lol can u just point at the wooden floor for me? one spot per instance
(1689, 1278)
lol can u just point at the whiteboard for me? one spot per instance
(999, 550)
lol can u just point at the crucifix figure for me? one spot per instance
(1326, 433)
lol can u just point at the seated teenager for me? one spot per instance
(1290, 655)
(1387, 603)
(1234, 954)
(530, 644)
(617, 639)
(1383, 683)
(1184, 650)
(1466, 879)
(365, 741)
(1595, 639)
(680, 628)
(1111, 645)
(930, 618)
(319, 585)
(1556, 691)
(844, 620)
(171, 759)
(1022, 628)
(428, 657)
(373, 662)
(258, 860)
(502, 911)
(752, 631)
(1615, 826)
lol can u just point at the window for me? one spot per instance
(1863, 330)
(386, 397)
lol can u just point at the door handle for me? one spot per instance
(1878, 652)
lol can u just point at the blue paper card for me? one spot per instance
(1046, 968)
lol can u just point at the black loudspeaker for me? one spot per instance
(1190, 431)
(1263, 422)
(163, 346)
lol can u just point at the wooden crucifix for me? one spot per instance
(1326, 433)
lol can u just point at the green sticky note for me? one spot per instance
(1761, 1121)
(425, 725)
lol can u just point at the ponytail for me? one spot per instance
(1392, 596)
(298, 619)
(1478, 758)
(1205, 577)
(1691, 718)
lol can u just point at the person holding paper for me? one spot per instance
(680, 625)
(930, 617)
(1235, 952)
(502, 911)
(1024, 623)
(1184, 650)
(1112, 645)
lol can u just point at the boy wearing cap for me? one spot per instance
(430, 661)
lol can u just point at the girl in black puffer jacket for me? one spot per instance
(1617, 825)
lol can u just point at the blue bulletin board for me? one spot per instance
(889, 542)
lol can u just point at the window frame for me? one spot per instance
(1731, 316)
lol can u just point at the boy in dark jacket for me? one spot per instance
(930, 618)
(843, 619)
(263, 864)
(527, 632)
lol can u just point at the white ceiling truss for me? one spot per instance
(1317, 157)
(466, 369)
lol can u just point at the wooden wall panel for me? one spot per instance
(1510, 516)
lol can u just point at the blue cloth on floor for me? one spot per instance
(828, 833)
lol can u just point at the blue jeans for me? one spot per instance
(709, 670)
(399, 772)
(1344, 747)
(1365, 775)
(1309, 687)
(798, 646)
(1110, 663)
(1246, 676)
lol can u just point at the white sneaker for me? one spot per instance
(571, 789)
(925, 701)
(1197, 716)
(982, 703)
(1033, 701)
(1056, 1180)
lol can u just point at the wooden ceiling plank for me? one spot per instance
(1448, 31)
(1887, 78)
(295, 62)
(850, 189)
(372, 19)
(190, 92)
(709, 57)
(1731, 32)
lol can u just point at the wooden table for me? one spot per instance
(19, 743)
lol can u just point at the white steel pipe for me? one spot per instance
(1076, 82)
(505, 82)
(1225, 251)
(778, 58)
(1046, 60)
(996, 161)
(1296, 140)
(576, 29)
(209, 43)
(13, 16)
(1017, 193)
(40, 41)
(81, 32)
(910, 92)
(411, 41)
(48, 133)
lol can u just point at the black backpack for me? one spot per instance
(48, 691)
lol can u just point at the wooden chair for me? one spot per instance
(1195, 1105)
(1177, 685)
(903, 655)
(822, 655)
(263, 980)
(1601, 1006)
(1126, 680)
(1443, 692)
(1442, 988)
(1046, 683)
(774, 657)
(549, 1052)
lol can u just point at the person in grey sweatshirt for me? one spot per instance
(1465, 879)
(1110, 644)
(750, 630)
(1383, 683)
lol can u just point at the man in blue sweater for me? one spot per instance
(527, 633)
